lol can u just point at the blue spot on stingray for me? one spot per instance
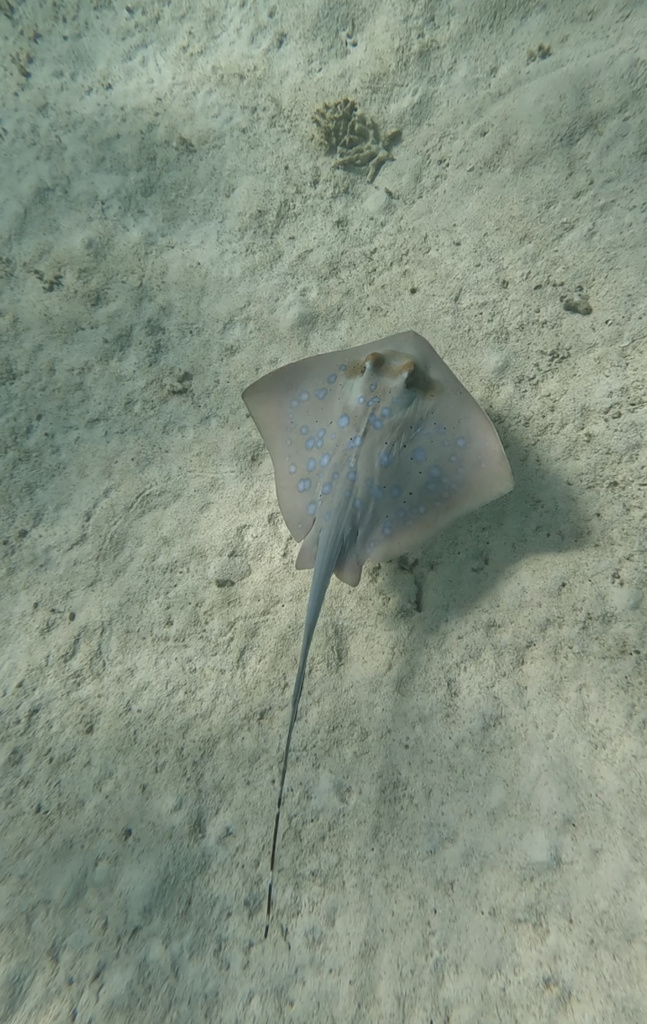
(319, 443)
(384, 460)
(321, 393)
(292, 468)
(435, 471)
(387, 529)
(361, 400)
(310, 443)
(373, 401)
(335, 475)
(321, 432)
(395, 491)
(355, 442)
(352, 475)
(311, 464)
(372, 386)
(303, 430)
(343, 420)
(332, 378)
(385, 413)
(304, 396)
(419, 455)
(461, 442)
(326, 489)
(304, 484)
(357, 503)
(375, 423)
(312, 508)
(324, 460)
(294, 403)
(342, 367)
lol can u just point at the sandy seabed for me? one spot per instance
(465, 827)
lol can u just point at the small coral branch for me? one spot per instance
(354, 137)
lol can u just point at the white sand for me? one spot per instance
(465, 827)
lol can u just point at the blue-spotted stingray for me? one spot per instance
(375, 449)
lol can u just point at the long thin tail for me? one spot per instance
(296, 696)
(325, 561)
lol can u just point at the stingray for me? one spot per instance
(375, 449)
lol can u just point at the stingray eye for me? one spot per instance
(408, 371)
(375, 360)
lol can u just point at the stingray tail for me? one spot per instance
(332, 542)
